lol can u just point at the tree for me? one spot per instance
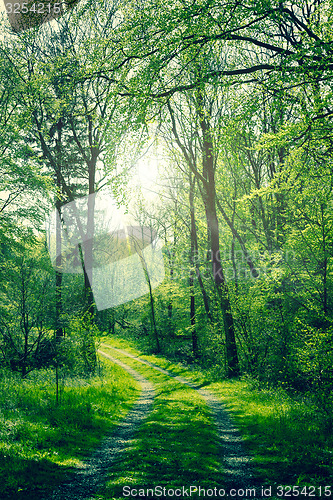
(206, 149)
(69, 117)
(26, 307)
(289, 41)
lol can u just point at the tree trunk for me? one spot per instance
(193, 258)
(58, 275)
(212, 223)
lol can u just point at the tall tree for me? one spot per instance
(72, 115)
(206, 181)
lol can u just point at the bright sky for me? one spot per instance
(148, 175)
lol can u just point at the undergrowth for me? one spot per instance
(42, 441)
(285, 434)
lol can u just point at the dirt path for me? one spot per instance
(233, 460)
(86, 481)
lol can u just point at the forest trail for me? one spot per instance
(234, 464)
(89, 478)
(232, 456)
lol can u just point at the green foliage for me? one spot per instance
(41, 442)
(314, 360)
(26, 306)
(248, 128)
(288, 438)
(77, 351)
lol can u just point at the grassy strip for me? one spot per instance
(41, 441)
(194, 375)
(283, 433)
(175, 446)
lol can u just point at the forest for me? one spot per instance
(230, 104)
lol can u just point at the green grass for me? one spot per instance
(196, 376)
(284, 434)
(175, 446)
(42, 442)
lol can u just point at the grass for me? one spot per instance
(41, 442)
(175, 446)
(284, 434)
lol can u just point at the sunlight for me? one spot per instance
(148, 175)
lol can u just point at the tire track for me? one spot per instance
(86, 481)
(235, 463)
